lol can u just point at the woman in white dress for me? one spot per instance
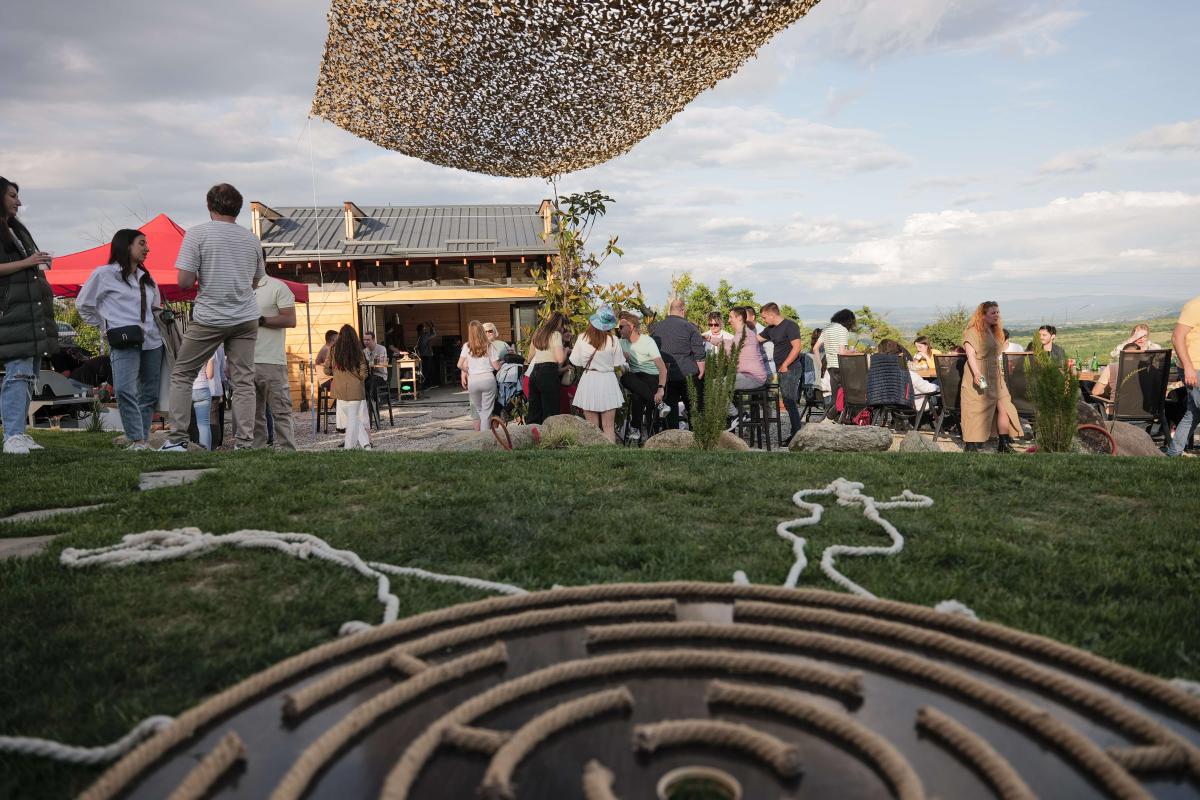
(597, 352)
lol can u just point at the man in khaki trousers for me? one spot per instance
(277, 313)
(226, 261)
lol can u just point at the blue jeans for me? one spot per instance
(15, 394)
(1187, 425)
(789, 388)
(135, 379)
(202, 408)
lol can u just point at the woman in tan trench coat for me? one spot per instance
(986, 407)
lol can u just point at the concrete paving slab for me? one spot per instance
(23, 547)
(173, 477)
(45, 513)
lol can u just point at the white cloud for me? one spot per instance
(762, 138)
(943, 182)
(1167, 138)
(1069, 238)
(1073, 162)
(871, 30)
(1174, 139)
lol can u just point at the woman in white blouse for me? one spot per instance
(120, 299)
(598, 354)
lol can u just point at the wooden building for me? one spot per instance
(389, 268)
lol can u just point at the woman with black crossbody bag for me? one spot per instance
(121, 299)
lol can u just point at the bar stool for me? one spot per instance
(382, 393)
(761, 405)
(326, 405)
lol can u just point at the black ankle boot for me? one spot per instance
(971, 447)
(1005, 444)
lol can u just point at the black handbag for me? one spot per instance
(125, 337)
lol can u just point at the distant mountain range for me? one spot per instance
(1076, 310)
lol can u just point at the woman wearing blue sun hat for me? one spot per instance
(599, 354)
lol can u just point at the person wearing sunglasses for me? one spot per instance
(715, 334)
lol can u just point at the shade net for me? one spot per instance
(524, 87)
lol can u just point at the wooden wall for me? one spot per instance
(329, 310)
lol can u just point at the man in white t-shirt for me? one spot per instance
(226, 262)
(276, 313)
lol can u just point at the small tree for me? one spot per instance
(1054, 391)
(946, 331)
(876, 326)
(569, 285)
(711, 417)
(86, 336)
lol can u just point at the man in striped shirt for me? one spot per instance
(226, 261)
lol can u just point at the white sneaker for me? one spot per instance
(15, 446)
(137, 446)
(29, 442)
(173, 447)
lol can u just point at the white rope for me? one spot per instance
(31, 746)
(153, 546)
(849, 493)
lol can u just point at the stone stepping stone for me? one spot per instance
(24, 547)
(172, 477)
(46, 513)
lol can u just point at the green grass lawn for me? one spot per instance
(1097, 552)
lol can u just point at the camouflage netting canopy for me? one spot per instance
(530, 87)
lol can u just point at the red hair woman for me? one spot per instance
(986, 405)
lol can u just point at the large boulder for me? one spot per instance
(1132, 440)
(1088, 415)
(686, 440)
(841, 439)
(523, 438)
(914, 442)
(569, 430)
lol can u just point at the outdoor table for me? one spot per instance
(927, 374)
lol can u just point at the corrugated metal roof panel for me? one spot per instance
(433, 229)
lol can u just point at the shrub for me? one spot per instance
(946, 331)
(1054, 391)
(711, 418)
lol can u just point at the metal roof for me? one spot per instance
(405, 231)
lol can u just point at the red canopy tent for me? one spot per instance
(69, 273)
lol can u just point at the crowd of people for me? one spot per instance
(236, 336)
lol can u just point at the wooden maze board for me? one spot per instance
(793, 693)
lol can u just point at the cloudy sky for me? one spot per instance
(924, 152)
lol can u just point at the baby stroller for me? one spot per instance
(510, 402)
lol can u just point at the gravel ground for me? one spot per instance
(418, 427)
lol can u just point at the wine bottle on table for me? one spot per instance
(1095, 363)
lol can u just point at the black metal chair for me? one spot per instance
(890, 393)
(756, 409)
(1016, 376)
(1140, 391)
(854, 384)
(810, 391)
(950, 373)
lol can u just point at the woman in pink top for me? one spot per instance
(751, 373)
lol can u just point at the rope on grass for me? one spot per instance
(849, 493)
(32, 746)
(155, 546)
